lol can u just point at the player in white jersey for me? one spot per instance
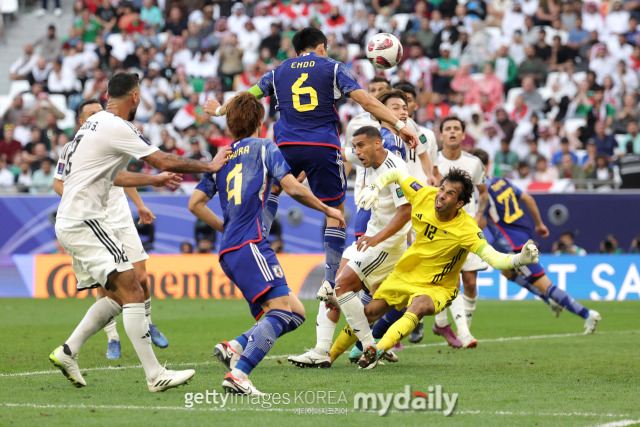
(452, 130)
(94, 162)
(120, 221)
(367, 262)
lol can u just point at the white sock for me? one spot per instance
(137, 328)
(324, 330)
(237, 373)
(469, 307)
(112, 332)
(459, 316)
(442, 319)
(353, 311)
(236, 346)
(147, 310)
(97, 316)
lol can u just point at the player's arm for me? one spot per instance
(304, 196)
(369, 194)
(133, 179)
(198, 207)
(381, 112)
(500, 261)
(483, 202)
(173, 163)
(397, 222)
(144, 213)
(530, 202)
(58, 186)
(426, 163)
(349, 156)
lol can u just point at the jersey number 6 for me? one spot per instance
(298, 90)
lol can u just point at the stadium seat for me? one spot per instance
(229, 94)
(9, 7)
(5, 102)
(402, 19)
(551, 77)
(69, 121)
(353, 50)
(495, 33)
(477, 76)
(579, 76)
(513, 94)
(572, 125)
(163, 38)
(17, 87)
(367, 68)
(545, 92)
(58, 101)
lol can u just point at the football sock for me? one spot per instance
(441, 319)
(469, 307)
(382, 325)
(398, 331)
(243, 339)
(334, 239)
(459, 316)
(296, 321)
(137, 328)
(324, 330)
(522, 281)
(354, 313)
(270, 210)
(96, 318)
(343, 342)
(111, 330)
(147, 310)
(566, 301)
(365, 298)
(262, 339)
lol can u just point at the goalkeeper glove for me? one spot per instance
(527, 256)
(368, 196)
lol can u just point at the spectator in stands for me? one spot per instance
(49, 46)
(15, 111)
(7, 179)
(42, 178)
(205, 246)
(505, 160)
(606, 143)
(617, 20)
(186, 248)
(631, 141)
(624, 78)
(521, 111)
(592, 18)
(531, 95)
(176, 24)
(43, 108)
(106, 15)
(635, 245)
(39, 73)
(578, 36)
(609, 245)
(459, 107)
(87, 26)
(490, 142)
(61, 141)
(62, 80)
(568, 169)
(22, 132)
(543, 172)
(602, 172)
(230, 61)
(505, 67)
(8, 145)
(57, 11)
(533, 67)
(513, 19)
(507, 126)
(169, 146)
(446, 69)
(22, 66)
(589, 160)
(566, 245)
(151, 14)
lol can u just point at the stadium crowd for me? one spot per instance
(548, 88)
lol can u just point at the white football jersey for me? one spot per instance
(473, 166)
(361, 120)
(427, 144)
(388, 201)
(100, 150)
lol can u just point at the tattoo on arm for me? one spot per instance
(173, 163)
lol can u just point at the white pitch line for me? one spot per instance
(621, 423)
(440, 344)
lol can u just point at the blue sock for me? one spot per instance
(270, 210)
(522, 281)
(262, 339)
(381, 326)
(296, 321)
(244, 338)
(366, 298)
(566, 301)
(334, 239)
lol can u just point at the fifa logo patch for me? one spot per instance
(277, 271)
(60, 168)
(415, 185)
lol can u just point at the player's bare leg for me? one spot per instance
(113, 339)
(157, 338)
(458, 311)
(442, 327)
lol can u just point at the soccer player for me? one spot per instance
(245, 255)
(306, 89)
(368, 261)
(425, 278)
(100, 150)
(452, 130)
(511, 228)
(119, 219)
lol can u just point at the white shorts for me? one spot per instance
(95, 250)
(372, 266)
(132, 244)
(474, 263)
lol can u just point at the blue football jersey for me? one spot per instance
(507, 217)
(306, 89)
(393, 143)
(243, 185)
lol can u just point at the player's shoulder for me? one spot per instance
(467, 223)
(468, 157)
(393, 161)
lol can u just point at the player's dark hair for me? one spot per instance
(84, 104)
(481, 154)
(122, 83)
(450, 118)
(308, 38)
(380, 79)
(244, 114)
(386, 95)
(458, 175)
(406, 88)
(368, 132)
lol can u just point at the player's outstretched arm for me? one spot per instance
(530, 202)
(198, 207)
(402, 216)
(304, 196)
(213, 107)
(500, 261)
(132, 179)
(483, 202)
(368, 197)
(172, 163)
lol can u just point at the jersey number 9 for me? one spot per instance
(236, 176)
(298, 90)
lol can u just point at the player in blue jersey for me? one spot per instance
(243, 184)
(306, 89)
(511, 228)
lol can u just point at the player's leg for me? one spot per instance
(521, 277)
(459, 314)
(113, 339)
(442, 327)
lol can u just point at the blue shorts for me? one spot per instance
(256, 271)
(362, 219)
(324, 168)
(506, 244)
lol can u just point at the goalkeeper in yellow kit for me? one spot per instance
(424, 279)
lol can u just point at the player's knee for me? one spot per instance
(347, 283)
(422, 306)
(143, 279)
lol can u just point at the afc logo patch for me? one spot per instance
(481, 235)
(415, 185)
(60, 168)
(277, 271)
(399, 192)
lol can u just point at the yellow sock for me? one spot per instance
(398, 331)
(346, 339)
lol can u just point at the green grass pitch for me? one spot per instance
(530, 368)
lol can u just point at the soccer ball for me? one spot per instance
(384, 51)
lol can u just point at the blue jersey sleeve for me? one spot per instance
(266, 84)
(274, 161)
(393, 144)
(208, 185)
(344, 80)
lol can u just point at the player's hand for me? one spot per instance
(542, 231)
(220, 159)
(146, 216)
(168, 179)
(409, 137)
(366, 242)
(211, 106)
(336, 214)
(301, 177)
(529, 253)
(432, 181)
(368, 197)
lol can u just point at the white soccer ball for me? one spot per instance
(384, 51)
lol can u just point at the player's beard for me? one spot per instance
(132, 113)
